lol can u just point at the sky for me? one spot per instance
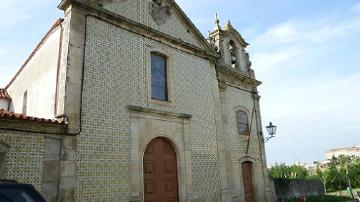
(306, 53)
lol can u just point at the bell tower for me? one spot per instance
(231, 46)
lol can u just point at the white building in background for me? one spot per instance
(346, 151)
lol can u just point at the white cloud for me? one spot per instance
(270, 60)
(299, 94)
(283, 33)
(311, 32)
(327, 94)
(15, 11)
(11, 12)
(356, 8)
(288, 41)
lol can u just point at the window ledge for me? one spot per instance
(162, 102)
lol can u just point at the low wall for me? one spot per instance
(285, 188)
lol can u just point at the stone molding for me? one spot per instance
(230, 31)
(95, 10)
(36, 127)
(158, 112)
(236, 78)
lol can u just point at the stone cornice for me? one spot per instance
(237, 78)
(228, 33)
(230, 30)
(32, 126)
(91, 9)
(159, 112)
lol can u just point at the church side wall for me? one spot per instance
(31, 158)
(38, 79)
(234, 99)
(25, 157)
(116, 69)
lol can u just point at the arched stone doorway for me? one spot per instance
(160, 172)
(247, 175)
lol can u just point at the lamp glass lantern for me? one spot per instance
(271, 129)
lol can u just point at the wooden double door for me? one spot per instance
(160, 172)
(247, 173)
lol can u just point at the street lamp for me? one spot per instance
(271, 129)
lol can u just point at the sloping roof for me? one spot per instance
(4, 94)
(4, 114)
(42, 41)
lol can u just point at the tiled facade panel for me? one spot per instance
(115, 76)
(238, 99)
(25, 157)
(139, 11)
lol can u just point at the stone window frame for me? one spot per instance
(169, 73)
(165, 60)
(247, 132)
(4, 149)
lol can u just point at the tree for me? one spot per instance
(283, 171)
(323, 176)
(339, 173)
(354, 172)
(280, 171)
(298, 172)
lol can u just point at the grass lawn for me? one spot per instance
(344, 192)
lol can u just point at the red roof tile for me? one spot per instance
(4, 94)
(11, 115)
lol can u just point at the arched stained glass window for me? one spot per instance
(242, 123)
(159, 89)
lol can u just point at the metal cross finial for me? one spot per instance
(217, 22)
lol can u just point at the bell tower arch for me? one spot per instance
(231, 46)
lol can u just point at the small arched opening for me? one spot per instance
(233, 54)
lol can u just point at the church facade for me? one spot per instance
(134, 104)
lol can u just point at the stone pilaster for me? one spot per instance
(72, 63)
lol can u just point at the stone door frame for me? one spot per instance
(254, 162)
(148, 124)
